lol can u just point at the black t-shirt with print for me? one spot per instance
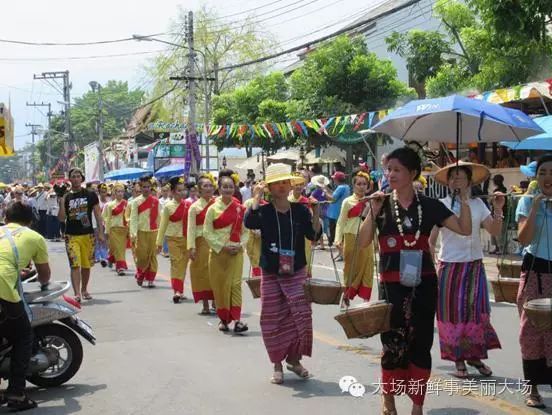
(78, 212)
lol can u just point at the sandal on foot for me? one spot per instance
(87, 296)
(205, 312)
(299, 370)
(140, 282)
(461, 371)
(21, 404)
(482, 368)
(535, 401)
(151, 284)
(223, 326)
(240, 327)
(277, 377)
(176, 298)
(120, 272)
(77, 298)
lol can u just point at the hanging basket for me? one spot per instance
(539, 313)
(320, 291)
(366, 320)
(505, 290)
(254, 285)
(511, 270)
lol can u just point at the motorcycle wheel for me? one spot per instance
(64, 344)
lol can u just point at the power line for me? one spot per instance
(98, 42)
(61, 58)
(246, 11)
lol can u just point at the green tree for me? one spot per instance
(342, 77)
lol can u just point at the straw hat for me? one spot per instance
(279, 171)
(320, 180)
(480, 173)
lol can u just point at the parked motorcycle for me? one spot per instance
(57, 350)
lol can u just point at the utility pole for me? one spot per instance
(66, 93)
(33, 162)
(97, 86)
(191, 84)
(48, 138)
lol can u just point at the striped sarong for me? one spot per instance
(286, 317)
(464, 312)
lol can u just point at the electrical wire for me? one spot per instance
(98, 42)
(62, 58)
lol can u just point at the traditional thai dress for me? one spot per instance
(286, 315)
(116, 227)
(536, 282)
(308, 244)
(464, 311)
(101, 250)
(173, 228)
(199, 267)
(224, 227)
(144, 222)
(358, 269)
(406, 357)
(253, 247)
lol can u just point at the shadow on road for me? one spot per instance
(453, 411)
(68, 394)
(313, 387)
(99, 301)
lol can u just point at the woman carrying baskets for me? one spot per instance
(358, 262)
(226, 235)
(198, 249)
(286, 316)
(172, 230)
(463, 310)
(116, 228)
(408, 279)
(534, 217)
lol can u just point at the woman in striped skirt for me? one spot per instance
(286, 316)
(463, 309)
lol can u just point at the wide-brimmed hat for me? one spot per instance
(529, 170)
(480, 173)
(277, 172)
(320, 180)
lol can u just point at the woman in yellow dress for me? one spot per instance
(253, 247)
(296, 196)
(116, 227)
(174, 227)
(198, 249)
(226, 235)
(358, 262)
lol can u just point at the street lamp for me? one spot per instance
(302, 156)
(224, 162)
(95, 86)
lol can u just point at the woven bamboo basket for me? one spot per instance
(254, 285)
(539, 313)
(366, 320)
(323, 291)
(512, 270)
(505, 290)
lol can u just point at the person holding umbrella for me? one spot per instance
(404, 220)
(463, 312)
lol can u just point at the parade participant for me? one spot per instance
(534, 217)
(144, 221)
(253, 246)
(408, 279)
(134, 193)
(76, 209)
(173, 229)
(192, 192)
(226, 235)
(116, 227)
(101, 252)
(296, 196)
(321, 193)
(341, 192)
(358, 268)
(463, 308)
(286, 315)
(163, 200)
(18, 246)
(198, 249)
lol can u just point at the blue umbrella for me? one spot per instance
(537, 142)
(128, 173)
(170, 171)
(457, 119)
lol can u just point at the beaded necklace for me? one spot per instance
(399, 221)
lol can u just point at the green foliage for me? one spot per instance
(341, 76)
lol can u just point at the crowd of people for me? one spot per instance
(429, 253)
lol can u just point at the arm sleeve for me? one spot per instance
(306, 216)
(341, 222)
(244, 235)
(133, 226)
(106, 216)
(253, 218)
(209, 232)
(439, 212)
(482, 207)
(41, 254)
(523, 208)
(94, 200)
(191, 231)
(163, 226)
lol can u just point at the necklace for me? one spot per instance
(399, 222)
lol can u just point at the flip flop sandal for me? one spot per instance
(223, 327)
(205, 312)
(120, 272)
(87, 296)
(77, 299)
(140, 282)
(482, 368)
(240, 327)
(277, 378)
(21, 405)
(176, 298)
(151, 285)
(299, 371)
(535, 401)
(461, 371)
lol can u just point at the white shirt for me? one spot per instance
(40, 201)
(246, 193)
(52, 204)
(458, 248)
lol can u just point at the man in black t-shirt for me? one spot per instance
(76, 210)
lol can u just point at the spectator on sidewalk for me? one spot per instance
(341, 192)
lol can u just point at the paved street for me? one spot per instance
(154, 357)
